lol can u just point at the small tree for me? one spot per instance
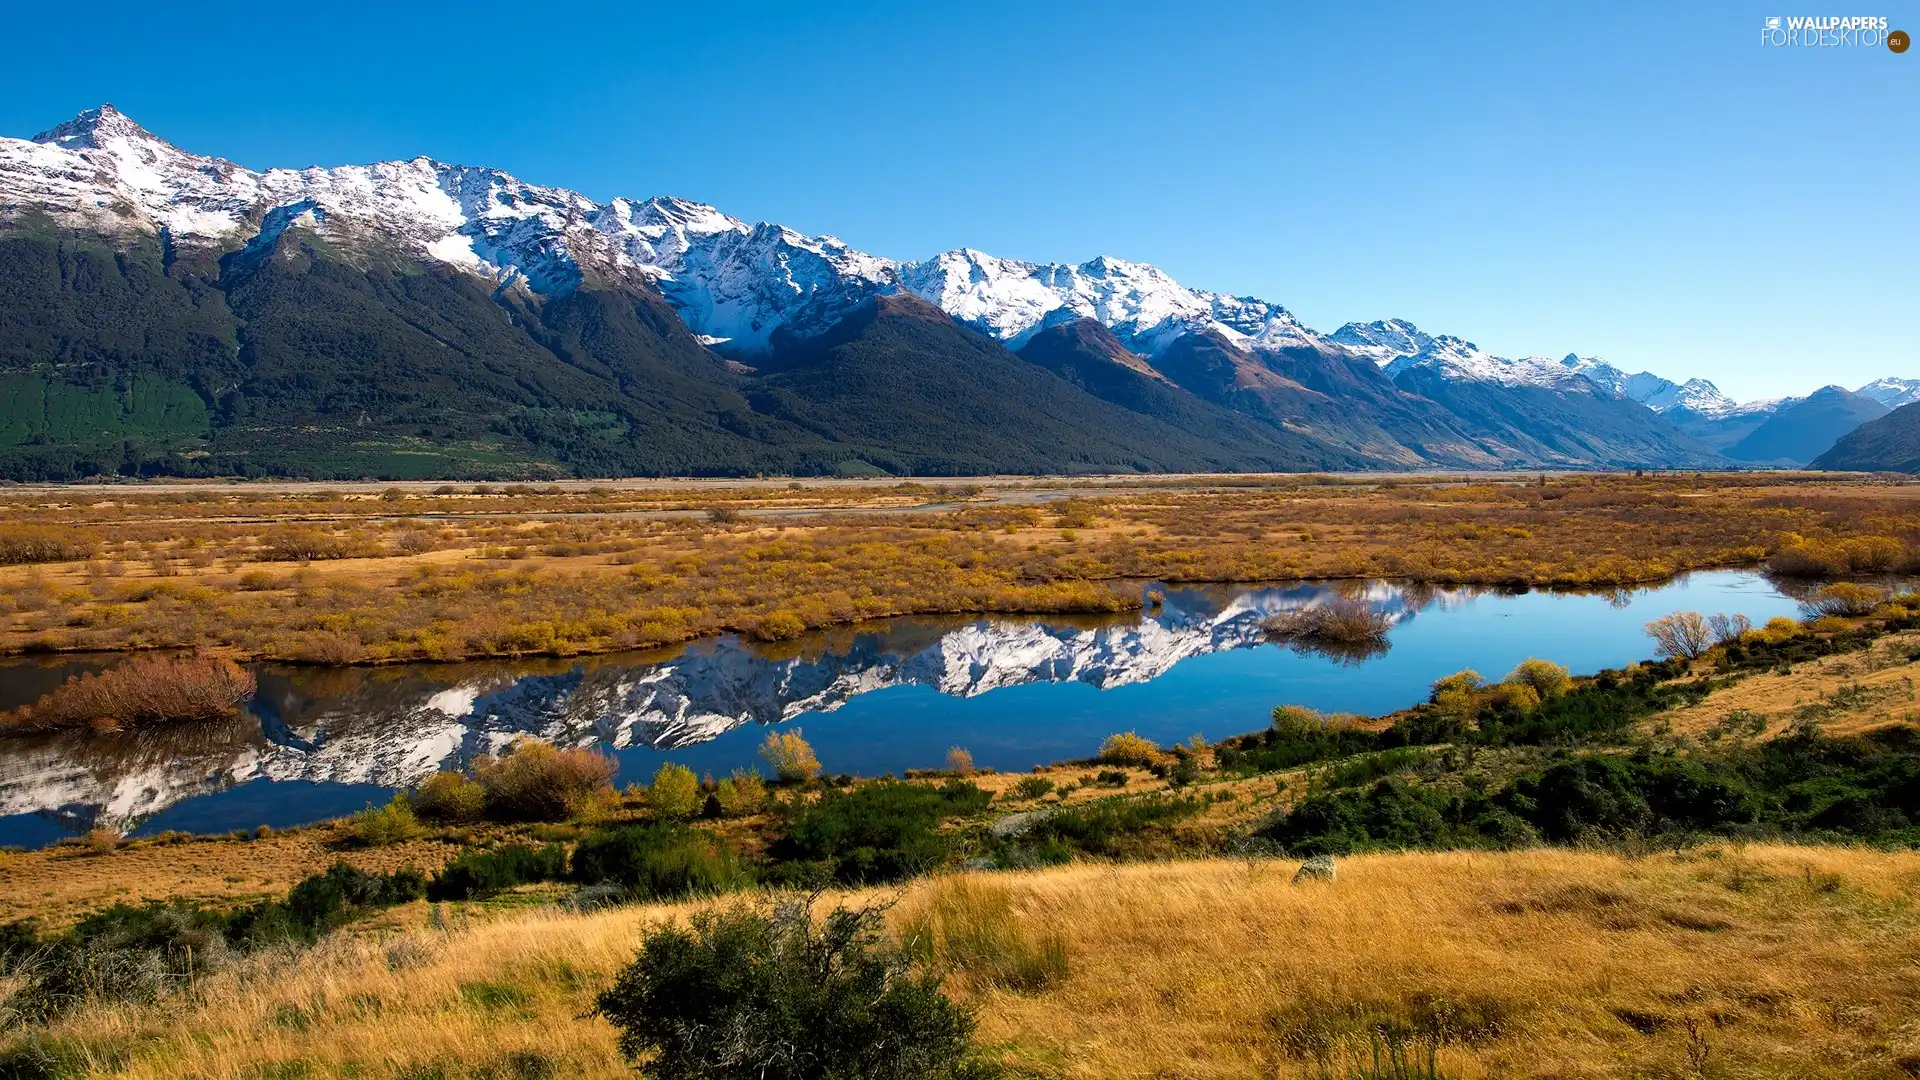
(1548, 679)
(790, 756)
(741, 794)
(744, 994)
(1727, 629)
(1127, 748)
(1683, 635)
(959, 761)
(675, 792)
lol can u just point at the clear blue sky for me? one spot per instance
(1644, 183)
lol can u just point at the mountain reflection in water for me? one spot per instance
(387, 728)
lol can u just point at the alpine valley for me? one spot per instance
(167, 313)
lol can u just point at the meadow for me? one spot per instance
(385, 573)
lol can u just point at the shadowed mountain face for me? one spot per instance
(1574, 428)
(1890, 443)
(917, 393)
(1803, 431)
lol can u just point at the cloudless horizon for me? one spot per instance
(1640, 182)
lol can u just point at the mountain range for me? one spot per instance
(179, 314)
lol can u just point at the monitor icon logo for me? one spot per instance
(1773, 24)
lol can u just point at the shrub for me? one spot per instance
(1548, 679)
(1032, 787)
(322, 903)
(299, 544)
(1466, 681)
(1110, 827)
(1299, 722)
(741, 794)
(959, 761)
(876, 832)
(146, 688)
(790, 756)
(779, 626)
(1682, 635)
(379, 826)
(449, 796)
(1345, 631)
(1341, 621)
(534, 781)
(1128, 748)
(475, 875)
(34, 544)
(743, 994)
(1844, 600)
(1518, 696)
(659, 862)
(675, 792)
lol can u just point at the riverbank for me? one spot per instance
(316, 574)
(1719, 805)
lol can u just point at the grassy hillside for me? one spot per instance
(1764, 961)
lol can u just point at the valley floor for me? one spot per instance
(358, 574)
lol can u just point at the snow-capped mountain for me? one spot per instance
(1892, 393)
(1146, 309)
(530, 282)
(729, 280)
(1396, 345)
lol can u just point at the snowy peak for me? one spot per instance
(1384, 340)
(97, 129)
(1143, 305)
(1892, 392)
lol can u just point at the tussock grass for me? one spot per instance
(1786, 961)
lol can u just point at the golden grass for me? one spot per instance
(1788, 961)
(342, 574)
(1842, 694)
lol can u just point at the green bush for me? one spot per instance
(746, 995)
(449, 796)
(1108, 827)
(675, 792)
(741, 794)
(1032, 787)
(475, 875)
(877, 832)
(659, 862)
(379, 826)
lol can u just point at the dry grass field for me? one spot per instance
(1720, 962)
(364, 573)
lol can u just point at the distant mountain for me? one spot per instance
(173, 313)
(1803, 430)
(1892, 393)
(1890, 443)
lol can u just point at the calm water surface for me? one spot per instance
(317, 743)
